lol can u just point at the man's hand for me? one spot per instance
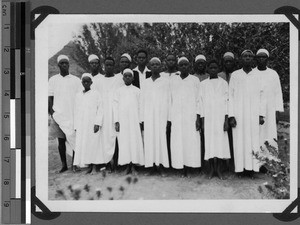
(169, 124)
(96, 128)
(226, 125)
(232, 122)
(142, 126)
(198, 123)
(261, 120)
(117, 126)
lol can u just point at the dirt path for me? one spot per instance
(118, 186)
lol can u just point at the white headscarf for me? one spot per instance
(262, 50)
(61, 57)
(198, 57)
(127, 56)
(183, 58)
(87, 75)
(93, 57)
(128, 71)
(155, 59)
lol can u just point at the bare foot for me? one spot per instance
(90, 169)
(220, 175)
(210, 174)
(63, 169)
(75, 169)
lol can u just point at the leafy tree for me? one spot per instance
(189, 39)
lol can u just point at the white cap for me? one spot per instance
(61, 57)
(262, 50)
(86, 75)
(93, 57)
(155, 59)
(198, 57)
(247, 50)
(127, 71)
(127, 56)
(228, 54)
(183, 58)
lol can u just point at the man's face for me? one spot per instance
(94, 64)
(128, 78)
(109, 66)
(155, 66)
(142, 59)
(124, 63)
(201, 65)
(262, 59)
(86, 82)
(171, 61)
(64, 65)
(213, 69)
(247, 59)
(184, 67)
(228, 63)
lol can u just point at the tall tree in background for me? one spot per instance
(189, 39)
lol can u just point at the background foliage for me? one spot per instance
(189, 39)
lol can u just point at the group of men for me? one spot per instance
(166, 119)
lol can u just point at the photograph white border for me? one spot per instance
(185, 206)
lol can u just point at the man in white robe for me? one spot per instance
(246, 114)
(169, 73)
(62, 90)
(213, 97)
(88, 116)
(110, 83)
(154, 114)
(127, 122)
(273, 94)
(228, 67)
(185, 119)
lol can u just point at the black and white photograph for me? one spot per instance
(166, 113)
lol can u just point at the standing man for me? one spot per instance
(171, 72)
(246, 114)
(185, 119)
(155, 99)
(141, 72)
(94, 62)
(200, 68)
(200, 72)
(228, 68)
(273, 94)
(110, 83)
(62, 90)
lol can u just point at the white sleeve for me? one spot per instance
(278, 93)
(100, 112)
(116, 106)
(231, 90)
(51, 87)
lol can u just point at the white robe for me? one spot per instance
(214, 106)
(169, 75)
(155, 97)
(108, 87)
(246, 104)
(127, 113)
(185, 140)
(63, 90)
(273, 95)
(87, 113)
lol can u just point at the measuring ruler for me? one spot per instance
(15, 182)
